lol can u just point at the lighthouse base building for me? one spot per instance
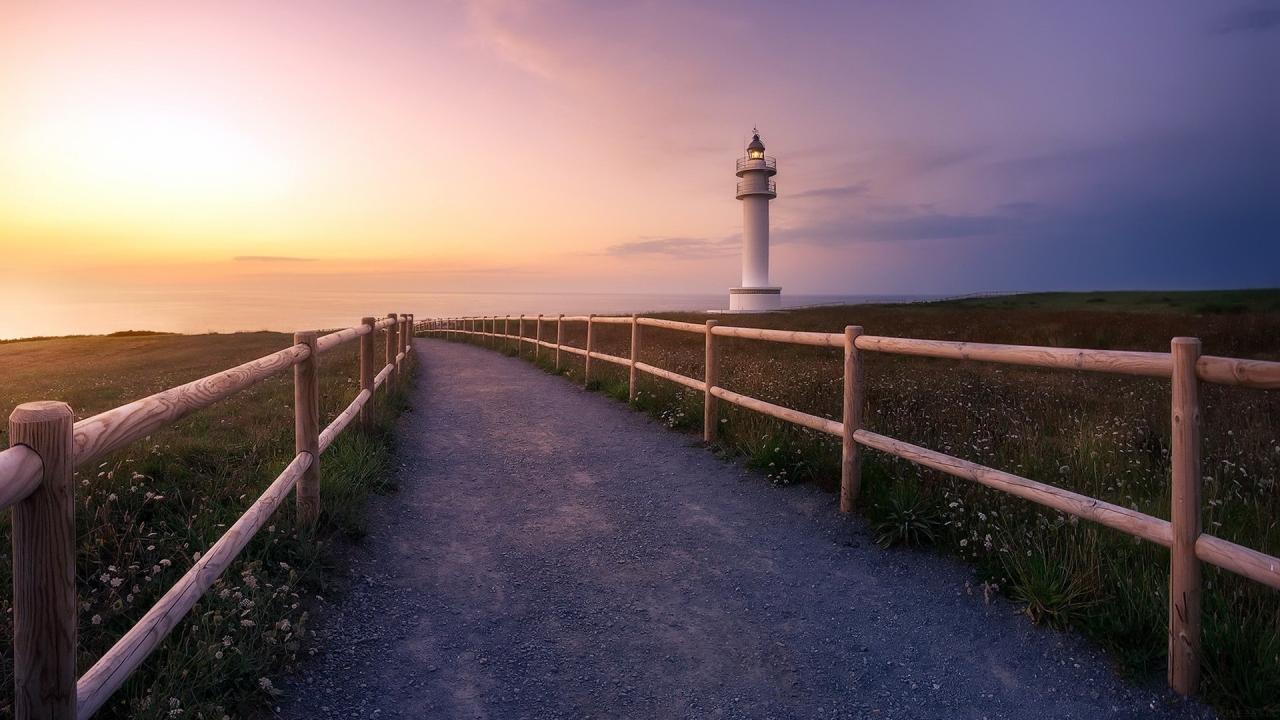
(755, 189)
(755, 299)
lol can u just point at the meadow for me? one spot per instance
(1100, 435)
(145, 513)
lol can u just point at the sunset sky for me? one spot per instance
(924, 147)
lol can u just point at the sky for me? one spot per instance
(557, 146)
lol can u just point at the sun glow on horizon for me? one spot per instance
(144, 162)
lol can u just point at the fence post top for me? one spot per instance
(712, 323)
(539, 316)
(307, 337)
(852, 329)
(391, 315)
(39, 411)
(1185, 342)
(561, 315)
(367, 320)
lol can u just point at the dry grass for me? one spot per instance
(1104, 436)
(145, 512)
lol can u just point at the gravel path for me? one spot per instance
(552, 554)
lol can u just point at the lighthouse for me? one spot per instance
(755, 189)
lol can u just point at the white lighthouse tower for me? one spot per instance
(755, 190)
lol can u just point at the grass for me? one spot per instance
(1100, 435)
(1211, 302)
(145, 512)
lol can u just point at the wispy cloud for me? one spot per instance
(843, 191)
(272, 259)
(678, 247)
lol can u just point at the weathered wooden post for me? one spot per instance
(44, 567)
(506, 331)
(402, 333)
(635, 353)
(306, 427)
(586, 368)
(367, 371)
(559, 338)
(537, 337)
(1184, 516)
(408, 344)
(712, 376)
(520, 339)
(391, 352)
(854, 400)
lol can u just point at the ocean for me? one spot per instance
(202, 310)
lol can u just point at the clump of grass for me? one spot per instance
(1055, 578)
(786, 455)
(145, 513)
(903, 515)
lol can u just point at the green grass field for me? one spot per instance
(145, 512)
(1104, 436)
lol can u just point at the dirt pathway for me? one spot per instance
(552, 554)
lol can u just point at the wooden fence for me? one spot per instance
(1184, 366)
(36, 480)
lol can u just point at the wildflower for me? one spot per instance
(96, 620)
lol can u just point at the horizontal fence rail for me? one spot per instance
(36, 483)
(1184, 366)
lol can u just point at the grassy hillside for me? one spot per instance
(1104, 436)
(145, 512)
(1211, 302)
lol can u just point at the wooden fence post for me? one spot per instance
(408, 337)
(44, 567)
(537, 346)
(559, 338)
(506, 331)
(520, 339)
(306, 427)
(391, 353)
(635, 353)
(586, 368)
(402, 334)
(408, 346)
(854, 400)
(1184, 567)
(367, 372)
(712, 376)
